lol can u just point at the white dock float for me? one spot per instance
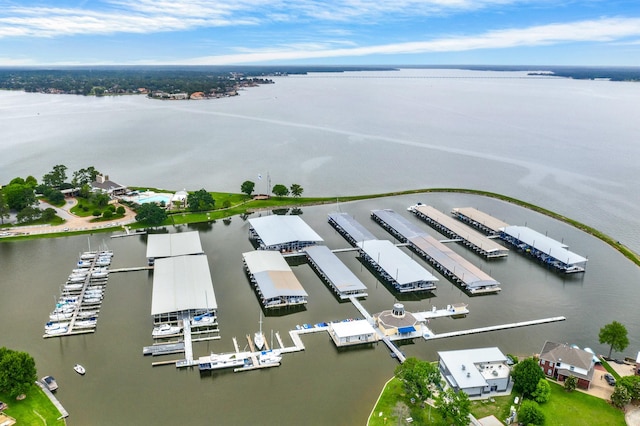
(431, 336)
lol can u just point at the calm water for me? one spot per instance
(566, 145)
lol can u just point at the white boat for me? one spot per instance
(52, 325)
(54, 331)
(269, 357)
(258, 337)
(84, 264)
(204, 319)
(101, 273)
(59, 316)
(219, 361)
(87, 314)
(166, 330)
(50, 383)
(91, 322)
(79, 369)
(73, 286)
(91, 300)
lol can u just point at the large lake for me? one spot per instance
(567, 145)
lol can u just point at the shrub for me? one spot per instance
(530, 413)
(97, 213)
(120, 210)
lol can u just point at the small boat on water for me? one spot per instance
(73, 286)
(204, 319)
(59, 316)
(50, 383)
(219, 361)
(269, 357)
(87, 314)
(165, 330)
(79, 369)
(87, 323)
(54, 331)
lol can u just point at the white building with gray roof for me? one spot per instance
(475, 371)
(282, 233)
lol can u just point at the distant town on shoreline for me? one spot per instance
(203, 82)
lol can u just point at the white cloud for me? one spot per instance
(602, 30)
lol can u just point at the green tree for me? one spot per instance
(48, 214)
(84, 176)
(19, 196)
(101, 199)
(570, 383)
(542, 392)
(526, 375)
(17, 372)
(280, 190)
(530, 413)
(120, 210)
(151, 214)
(615, 335)
(247, 187)
(55, 197)
(455, 406)
(107, 214)
(632, 383)
(4, 208)
(200, 200)
(31, 181)
(620, 396)
(296, 190)
(28, 214)
(56, 177)
(418, 377)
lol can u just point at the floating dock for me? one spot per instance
(431, 336)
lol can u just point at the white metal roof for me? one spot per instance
(470, 376)
(352, 328)
(399, 223)
(279, 229)
(175, 244)
(336, 272)
(182, 283)
(352, 227)
(395, 262)
(549, 246)
(272, 274)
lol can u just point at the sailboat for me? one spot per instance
(258, 337)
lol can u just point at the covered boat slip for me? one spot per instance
(480, 220)
(175, 244)
(349, 228)
(395, 266)
(543, 248)
(455, 229)
(282, 233)
(182, 284)
(342, 281)
(449, 263)
(273, 279)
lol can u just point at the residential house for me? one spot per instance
(559, 360)
(476, 372)
(102, 183)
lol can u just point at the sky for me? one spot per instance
(329, 32)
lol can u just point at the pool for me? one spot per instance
(158, 199)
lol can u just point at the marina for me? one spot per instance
(450, 264)
(339, 278)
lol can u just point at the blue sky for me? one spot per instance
(346, 32)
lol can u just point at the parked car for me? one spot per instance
(610, 379)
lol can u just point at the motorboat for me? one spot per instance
(87, 323)
(269, 357)
(219, 361)
(87, 314)
(79, 369)
(73, 286)
(84, 264)
(166, 330)
(54, 331)
(50, 383)
(100, 273)
(76, 278)
(52, 325)
(204, 319)
(59, 316)
(91, 300)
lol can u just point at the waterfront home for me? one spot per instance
(111, 188)
(476, 372)
(559, 360)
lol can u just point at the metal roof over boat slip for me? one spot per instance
(479, 219)
(446, 259)
(272, 274)
(182, 283)
(396, 263)
(457, 229)
(353, 229)
(277, 229)
(176, 244)
(544, 244)
(339, 276)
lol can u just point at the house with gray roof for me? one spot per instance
(559, 360)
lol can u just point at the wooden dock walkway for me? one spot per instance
(53, 399)
(131, 269)
(431, 336)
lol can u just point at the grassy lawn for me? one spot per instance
(392, 398)
(610, 369)
(499, 407)
(32, 409)
(577, 408)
